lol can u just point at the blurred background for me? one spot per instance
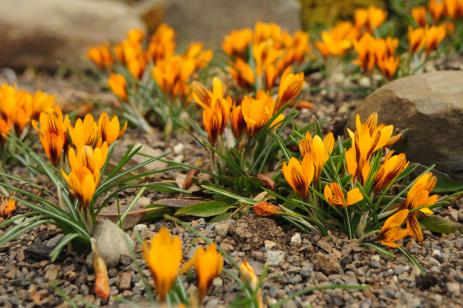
(47, 34)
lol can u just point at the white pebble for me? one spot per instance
(296, 238)
(436, 253)
(178, 148)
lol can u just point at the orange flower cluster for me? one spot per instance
(418, 201)
(272, 49)
(432, 27)
(376, 52)
(368, 138)
(338, 40)
(369, 19)
(101, 56)
(172, 75)
(315, 153)
(87, 144)
(18, 108)
(130, 53)
(427, 38)
(164, 258)
(171, 71)
(371, 175)
(437, 9)
(251, 114)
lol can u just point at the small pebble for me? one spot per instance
(221, 228)
(217, 282)
(125, 280)
(275, 257)
(453, 288)
(296, 238)
(269, 244)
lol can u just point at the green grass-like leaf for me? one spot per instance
(205, 209)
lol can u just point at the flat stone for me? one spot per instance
(54, 240)
(275, 257)
(125, 280)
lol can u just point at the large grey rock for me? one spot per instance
(112, 242)
(431, 107)
(45, 33)
(210, 20)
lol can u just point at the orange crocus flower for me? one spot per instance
(172, 75)
(242, 73)
(433, 37)
(101, 56)
(52, 133)
(163, 257)
(237, 42)
(110, 130)
(436, 8)
(335, 196)
(451, 8)
(198, 54)
(7, 208)
(418, 200)
(392, 230)
(290, 87)
(162, 43)
(419, 14)
(257, 112)
(118, 85)
(416, 39)
(368, 138)
(392, 166)
(215, 118)
(42, 102)
(237, 121)
(319, 151)
(299, 175)
(208, 265)
(84, 132)
(388, 66)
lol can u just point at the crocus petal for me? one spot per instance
(354, 196)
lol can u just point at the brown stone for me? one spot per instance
(326, 264)
(125, 280)
(52, 272)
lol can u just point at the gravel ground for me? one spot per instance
(293, 261)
